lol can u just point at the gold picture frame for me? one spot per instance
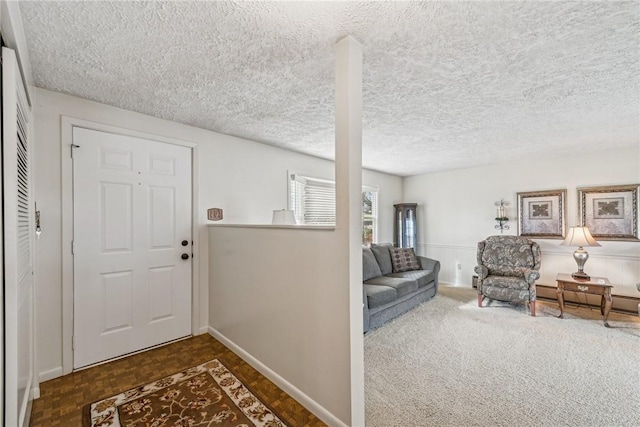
(610, 212)
(542, 214)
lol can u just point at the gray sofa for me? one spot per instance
(387, 294)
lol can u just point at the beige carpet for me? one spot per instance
(450, 363)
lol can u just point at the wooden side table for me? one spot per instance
(595, 286)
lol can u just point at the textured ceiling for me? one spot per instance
(446, 84)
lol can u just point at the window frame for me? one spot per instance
(296, 203)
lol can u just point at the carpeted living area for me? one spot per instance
(450, 363)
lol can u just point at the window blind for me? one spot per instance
(313, 202)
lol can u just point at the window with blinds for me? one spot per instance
(313, 202)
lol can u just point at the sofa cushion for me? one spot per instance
(423, 277)
(404, 259)
(379, 295)
(370, 266)
(381, 252)
(402, 286)
(506, 282)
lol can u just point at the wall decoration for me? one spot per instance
(541, 214)
(610, 212)
(214, 214)
(501, 215)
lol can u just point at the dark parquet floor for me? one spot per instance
(62, 399)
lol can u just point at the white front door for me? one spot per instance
(132, 244)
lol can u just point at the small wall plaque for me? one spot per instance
(214, 214)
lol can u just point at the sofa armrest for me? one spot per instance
(530, 276)
(365, 301)
(481, 271)
(433, 265)
(366, 322)
(429, 264)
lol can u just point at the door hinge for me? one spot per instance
(72, 247)
(72, 147)
(73, 342)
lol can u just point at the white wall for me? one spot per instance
(456, 210)
(253, 182)
(248, 180)
(273, 296)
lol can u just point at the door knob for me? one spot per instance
(185, 256)
(185, 243)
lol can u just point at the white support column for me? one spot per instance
(349, 200)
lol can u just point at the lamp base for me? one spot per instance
(581, 276)
(581, 256)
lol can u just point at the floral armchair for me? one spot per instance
(507, 270)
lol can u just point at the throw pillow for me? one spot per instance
(404, 259)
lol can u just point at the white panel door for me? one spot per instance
(132, 233)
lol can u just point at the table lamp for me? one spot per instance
(580, 236)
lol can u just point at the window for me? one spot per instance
(369, 216)
(313, 202)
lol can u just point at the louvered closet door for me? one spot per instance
(18, 244)
(132, 226)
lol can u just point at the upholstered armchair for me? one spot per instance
(508, 269)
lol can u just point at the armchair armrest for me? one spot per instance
(429, 264)
(481, 271)
(530, 276)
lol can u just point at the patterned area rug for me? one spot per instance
(205, 395)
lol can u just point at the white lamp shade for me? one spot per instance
(283, 217)
(579, 236)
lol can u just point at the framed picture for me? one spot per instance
(541, 214)
(611, 212)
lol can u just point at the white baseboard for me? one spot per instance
(202, 330)
(35, 393)
(313, 406)
(457, 285)
(50, 374)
